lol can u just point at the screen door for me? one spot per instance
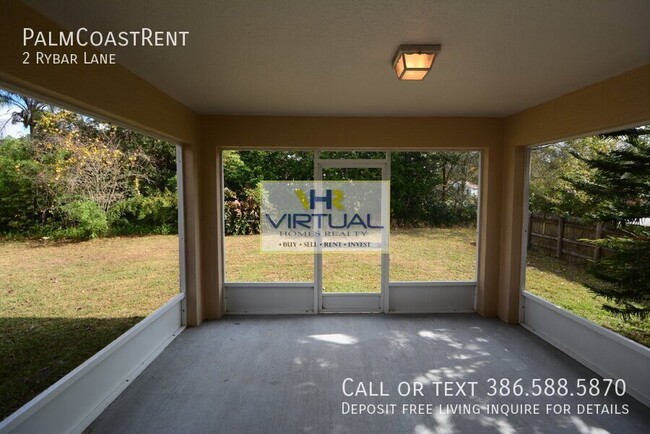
(351, 281)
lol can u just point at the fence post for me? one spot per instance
(599, 235)
(560, 236)
(530, 229)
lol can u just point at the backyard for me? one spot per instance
(415, 254)
(61, 302)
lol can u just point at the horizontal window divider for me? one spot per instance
(348, 310)
(269, 312)
(268, 284)
(433, 283)
(351, 163)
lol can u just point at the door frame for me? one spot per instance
(353, 301)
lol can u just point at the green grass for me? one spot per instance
(415, 254)
(562, 284)
(60, 303)
(433, 254)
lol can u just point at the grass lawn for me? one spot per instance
(561, 283)
(60, 303)
(415, 254)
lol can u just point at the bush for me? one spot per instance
(18, 186)
(145, 215)
(83, 219)
(242, 215)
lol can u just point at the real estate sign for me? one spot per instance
(321, 216)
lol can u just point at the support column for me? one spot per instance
(511, 233)
(208, 164)
(193, 299)
(221, 242)
(489, 232)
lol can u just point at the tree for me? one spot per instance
(431, 188)
(159, 174)
(428, 188)
(551, 166)
(19, 199)
(75, 176)
(619, 194)
(87, 163)
(27, 110)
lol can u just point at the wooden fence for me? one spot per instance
(561, 237)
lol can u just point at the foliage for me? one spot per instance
(278, 166)
(18, 185)
(566, 284)
(428, 188)
(50, 179)
(244, 170)
(619, 193)
(242, 216)
(88, 163)
(433, 188)
(84, 219)
(158, 160)
(145, 215)
(71, 158)
(236, 174)
(552, 167)
(27, 111)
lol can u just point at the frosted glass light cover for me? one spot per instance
(414, 75)
(416, 60)
(399, 67)
(413, 62)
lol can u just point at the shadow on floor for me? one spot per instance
(287, 374)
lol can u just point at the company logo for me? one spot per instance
(332, 197)
(315, 216)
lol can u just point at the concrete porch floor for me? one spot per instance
(284, 374)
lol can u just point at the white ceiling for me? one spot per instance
(332, 57)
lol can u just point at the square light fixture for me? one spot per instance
(413, 62)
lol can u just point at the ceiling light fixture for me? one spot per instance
(413, 62)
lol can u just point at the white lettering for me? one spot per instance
(27, 35)
(79, 38)
(347, 380)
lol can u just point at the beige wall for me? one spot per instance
(352, 132)
(620, 101)
(115, 94)
(483, 134)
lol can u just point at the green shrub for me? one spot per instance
(83, 219)
(145, 215)
(18, 186)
